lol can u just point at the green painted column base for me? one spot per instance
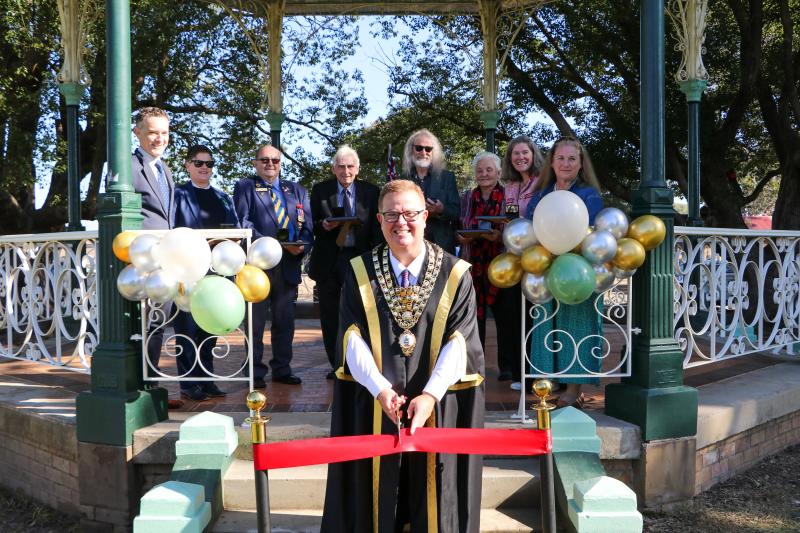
(657, 411)
(173, 507)
(112, 419)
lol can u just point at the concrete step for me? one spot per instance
(294, 521)
(507, 483)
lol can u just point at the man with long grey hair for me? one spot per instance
(423, 163)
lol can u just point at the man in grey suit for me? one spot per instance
(153, 180)
(423, 163)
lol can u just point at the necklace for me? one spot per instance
(407, 303)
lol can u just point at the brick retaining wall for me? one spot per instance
(722, 460)
(39, 457)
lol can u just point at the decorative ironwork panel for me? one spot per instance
(736, 292)
(48, 298)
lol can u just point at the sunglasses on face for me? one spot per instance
(265, 160)
(198, 163)
(419, 148)
(393, 216)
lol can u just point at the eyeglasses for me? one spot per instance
(419, 148)
(265, 160)
(199, 163)
(394, 216)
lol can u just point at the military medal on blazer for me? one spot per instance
(407, 303)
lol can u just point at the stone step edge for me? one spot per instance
(302, 521)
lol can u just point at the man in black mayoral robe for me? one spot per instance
(408, 353)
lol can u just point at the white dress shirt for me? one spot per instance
(451, 365)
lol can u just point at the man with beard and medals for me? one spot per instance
(408, 353)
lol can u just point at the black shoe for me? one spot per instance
(331, 375)
(288, 379)
(212, 390)
(505, 375)
(195, 393)
(259, 383)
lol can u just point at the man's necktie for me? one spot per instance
(162, 184)
(280, 211)
(404, 278)
(348, 207)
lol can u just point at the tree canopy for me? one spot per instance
(572, 69)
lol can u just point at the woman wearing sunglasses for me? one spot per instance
(199, 205)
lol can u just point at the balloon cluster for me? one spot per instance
(176, 267)
(557, 255)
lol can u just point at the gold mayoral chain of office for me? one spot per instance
(407, 303)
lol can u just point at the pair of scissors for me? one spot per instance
(399, 415)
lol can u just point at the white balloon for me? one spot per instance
(141, 252)
(160, 286)
(184, 254)
(560, 221)
(130, 283)
(265, 253)
(518, 235)
(227, 258)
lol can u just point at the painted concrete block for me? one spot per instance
(173, 507)
(207, 433)
(574, 431)
(604, 505)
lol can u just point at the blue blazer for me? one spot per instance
(256, 212)
(155, 213)
(187, 210)
(587, 193)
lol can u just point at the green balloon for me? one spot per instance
(571, 279)
(217, 305)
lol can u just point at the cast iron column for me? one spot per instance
(693, 89)
(116, 406)
(72, 96)
(654, 397)
(490, 119)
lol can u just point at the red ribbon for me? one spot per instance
(435, 440)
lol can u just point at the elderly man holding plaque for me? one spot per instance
(409, 353)
(344, 211)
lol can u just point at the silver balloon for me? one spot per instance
(535, 289)
(622, 274)
(227, 258)
(613, 220)
(141, 252)
(160, 287)
(604, 278)
(599, 247)
(265, 253)
(130, 283)
(518, 235)
(183, 297)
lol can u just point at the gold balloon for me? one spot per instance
(253, 283)
(536, 259)
(630, 254)
(649, 230)
(121, 244)
(505, 270)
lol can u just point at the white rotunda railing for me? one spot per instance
(48, 298)
(737, 292)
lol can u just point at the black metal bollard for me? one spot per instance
(258, 430)
(547, 491)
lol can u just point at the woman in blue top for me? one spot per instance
(568, 167)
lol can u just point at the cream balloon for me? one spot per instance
(518, 235)
(130, 283)
(141, 252)
(265, 253)
(184, 254)
(227, 258)
(560, 221)
(160, 286)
